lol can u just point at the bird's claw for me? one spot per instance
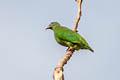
(70, 49)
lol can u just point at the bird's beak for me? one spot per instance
(48, 27)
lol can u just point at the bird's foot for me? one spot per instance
(70, 49)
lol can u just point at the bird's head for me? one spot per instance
(52, 25)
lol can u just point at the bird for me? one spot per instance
(68, 38)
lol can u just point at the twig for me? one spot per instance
(58, 72)
(79, 2)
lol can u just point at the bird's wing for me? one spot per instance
(66, 34)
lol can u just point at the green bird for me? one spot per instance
(67, 37)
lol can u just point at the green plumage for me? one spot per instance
(66, 37)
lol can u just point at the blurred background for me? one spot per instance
(29, 52)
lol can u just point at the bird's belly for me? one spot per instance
(61, 42)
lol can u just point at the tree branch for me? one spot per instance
(58, 72)
(79, 2)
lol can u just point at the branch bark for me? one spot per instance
(58, 72)
(79, 2)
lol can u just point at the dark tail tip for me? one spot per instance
(91, 50)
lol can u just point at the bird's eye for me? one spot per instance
(50, 25)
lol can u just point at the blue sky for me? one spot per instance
(29, 52)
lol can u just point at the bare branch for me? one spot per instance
(79, 2)
(58, 72)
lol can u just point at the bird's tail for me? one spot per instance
(89, 48)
